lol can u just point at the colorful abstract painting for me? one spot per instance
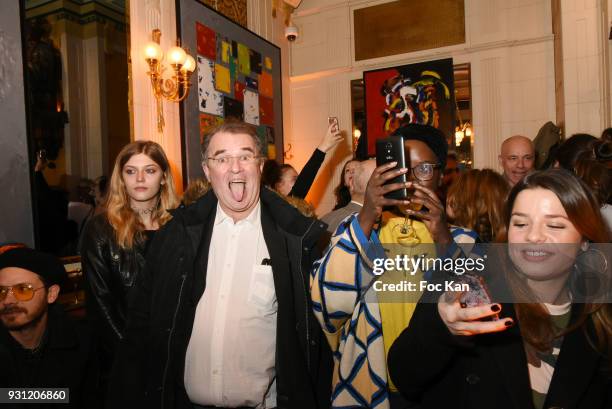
(226, 52)
(266, 85)
(238, 76)
(266, 135)
(266, 111)
(268, 63)
(244, 59)
(207, 41)
(251, 107)
(239, 88)
(210, 100)
(223, 80)
(207, 122)
(255, 61)
(233, 109)
(252, 83)
(233, 67)
(420, 93)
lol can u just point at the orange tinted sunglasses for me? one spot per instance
(21, 292)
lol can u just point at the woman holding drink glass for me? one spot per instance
(551, 346)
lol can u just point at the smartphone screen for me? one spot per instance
(333, 120)
(391, 149)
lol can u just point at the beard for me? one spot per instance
(18, 325)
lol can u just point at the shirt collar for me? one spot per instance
(252, 219)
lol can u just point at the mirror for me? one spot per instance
(76, 83)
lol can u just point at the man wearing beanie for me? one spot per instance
(360, 321)
(39, 346)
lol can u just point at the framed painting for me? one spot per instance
(238, 77)
(421, 93)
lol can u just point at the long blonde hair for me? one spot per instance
(125, 222)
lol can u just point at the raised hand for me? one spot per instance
(332, 137)
(375, 192)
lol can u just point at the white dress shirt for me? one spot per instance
(232, 351)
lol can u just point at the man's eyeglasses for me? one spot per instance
(227, 160)
(425, 171)
(21, 292)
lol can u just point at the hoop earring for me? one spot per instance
(603, 261)
(588, 283)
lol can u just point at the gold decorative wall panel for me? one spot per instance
(405, 26)
(235, 10)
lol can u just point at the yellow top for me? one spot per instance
(405, 238)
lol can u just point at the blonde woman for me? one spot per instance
(115, 242)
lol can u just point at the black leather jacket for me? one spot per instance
(110, 273)
(149, 366)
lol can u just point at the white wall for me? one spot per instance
(585, 65)
(509, 45)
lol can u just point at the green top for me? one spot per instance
(541, 364)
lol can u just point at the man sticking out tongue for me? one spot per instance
(226, 276)
(237, 189)
(233, 167)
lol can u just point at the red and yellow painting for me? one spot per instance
(420, 93)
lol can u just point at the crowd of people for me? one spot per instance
(241, 297)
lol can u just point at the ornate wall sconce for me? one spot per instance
(175, 88)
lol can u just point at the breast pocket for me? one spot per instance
(262, 293)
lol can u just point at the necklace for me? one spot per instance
(407, 236)
(150, 210)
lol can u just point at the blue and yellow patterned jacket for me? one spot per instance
(354, 329)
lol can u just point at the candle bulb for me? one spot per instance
(189, 64)
(174, 87)
(153, 51)
(177, 56)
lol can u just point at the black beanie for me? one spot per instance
(49, 267)
(432, 137)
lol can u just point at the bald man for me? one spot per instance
(517, 158)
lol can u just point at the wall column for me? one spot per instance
(145, 16)
(585, 77)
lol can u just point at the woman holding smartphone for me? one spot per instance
(114, 242)
(551, 346)
(286, 180)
